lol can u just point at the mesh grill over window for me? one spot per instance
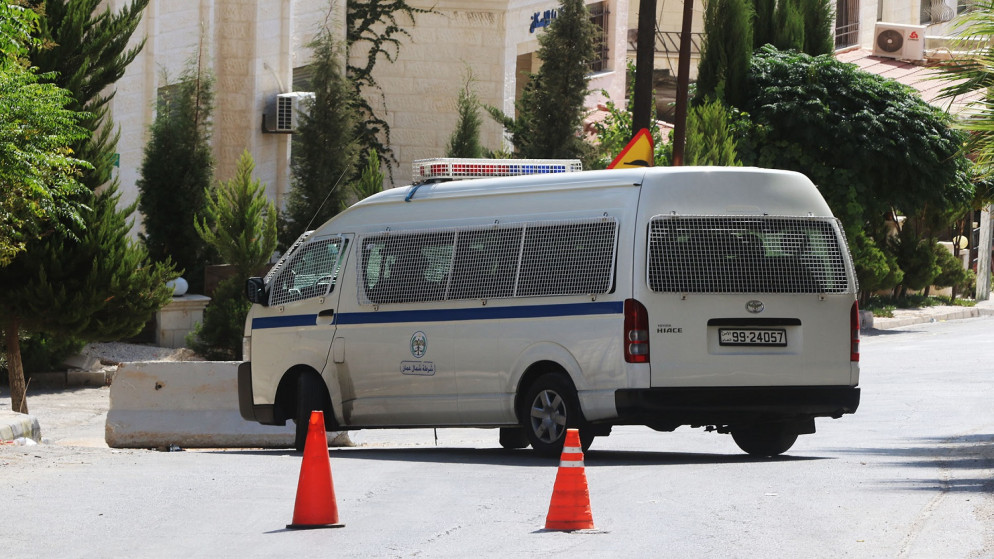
(567, 258)
(309, 271)
(699, 254)
(508, 260)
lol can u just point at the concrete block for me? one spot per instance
(15, 425)
(191, 404)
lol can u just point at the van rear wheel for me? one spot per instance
(550, 407)
(512, 438)
(766, 440)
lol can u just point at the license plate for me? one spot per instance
(752, 336)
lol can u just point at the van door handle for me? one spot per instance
(327, 316)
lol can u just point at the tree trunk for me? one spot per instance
(15, 370)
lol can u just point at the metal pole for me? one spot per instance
(682, 85)
(644, 54)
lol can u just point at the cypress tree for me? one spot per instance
(176, 171)
(762, 23)
(709, 136)
(465, 139)
(239, 222)
(789, 32)
(550, 110)
(726, 51)
(819, 32)
(325, 150)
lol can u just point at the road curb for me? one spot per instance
(910, 317)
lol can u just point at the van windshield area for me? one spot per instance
(739, 254)
(310, 271)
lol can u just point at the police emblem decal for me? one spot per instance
(419, 344)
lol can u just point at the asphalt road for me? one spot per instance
(911, 474)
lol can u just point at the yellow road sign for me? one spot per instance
(638, 152)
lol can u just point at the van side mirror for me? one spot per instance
(255, 291)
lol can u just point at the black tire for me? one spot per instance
(547, 410)
(765, 440)
(513, 438)
(310, 397)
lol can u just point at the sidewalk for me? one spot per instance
(908, 317)
(15, 426)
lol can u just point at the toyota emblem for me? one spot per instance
(755, 307)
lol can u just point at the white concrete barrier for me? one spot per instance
(190, 404)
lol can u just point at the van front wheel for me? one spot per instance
(309, 389)
(766, 440)
(550, 407)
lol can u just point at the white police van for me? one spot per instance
(722, 298)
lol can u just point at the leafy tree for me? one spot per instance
(615, 130)
(240, 224)
(114, 298)
(373, 28)
(550, 110)
(465, 139)
(38, 191)
(38, 186)
(952, 273)
(876, 269)
(869, 143)
(325, 147)
(917, 258)
(176, 171)
(726, 51)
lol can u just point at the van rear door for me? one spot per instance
(748, 300)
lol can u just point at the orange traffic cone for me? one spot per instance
(570, 506)
(315, 506)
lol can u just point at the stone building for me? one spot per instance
(257, 50)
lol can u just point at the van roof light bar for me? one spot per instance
(451, 168)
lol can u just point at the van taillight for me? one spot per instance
(636, 332)
(854, 332)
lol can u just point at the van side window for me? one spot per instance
(568, 259)
(311, 271)
(486, 263)
(510, 260)
(698, 254)
(402, 268)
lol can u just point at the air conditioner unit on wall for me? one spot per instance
(288, 109)
(893, 40)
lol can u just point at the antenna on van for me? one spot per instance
(323, 202)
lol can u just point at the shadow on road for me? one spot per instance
(964, 460)
(526, 458)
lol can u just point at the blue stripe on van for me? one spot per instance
(446, 315)
(481, 313)
(284, 321)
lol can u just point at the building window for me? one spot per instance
(846, 23)
(598, 15)
(303, 78)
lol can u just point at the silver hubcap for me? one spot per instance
(548, 416)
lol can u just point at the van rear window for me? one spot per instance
(499, 261)
(738, 254)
